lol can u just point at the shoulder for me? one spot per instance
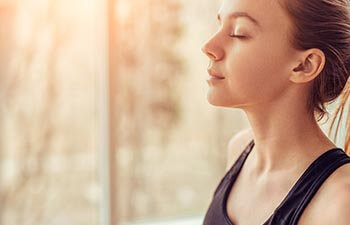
(339, 212)
(339, 208)
(236, 145)
(331, 204)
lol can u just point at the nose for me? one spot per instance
(212, 50)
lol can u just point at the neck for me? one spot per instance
(285, 143)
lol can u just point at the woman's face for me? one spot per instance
(256, 64)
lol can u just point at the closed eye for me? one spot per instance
(237, 36)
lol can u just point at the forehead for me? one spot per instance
(268, 13)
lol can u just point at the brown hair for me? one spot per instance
(324, 24)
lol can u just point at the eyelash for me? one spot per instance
(237, 36)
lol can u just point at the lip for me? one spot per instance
(215, 74)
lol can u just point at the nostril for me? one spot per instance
(210, 51)
(211, 55)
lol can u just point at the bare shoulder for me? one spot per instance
(339, 206)
(334, 196)
(236, 145)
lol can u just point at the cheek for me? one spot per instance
(255, 70)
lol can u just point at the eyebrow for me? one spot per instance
(240, 14)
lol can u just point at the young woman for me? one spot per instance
(282, 61)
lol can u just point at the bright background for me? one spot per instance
(104, 117)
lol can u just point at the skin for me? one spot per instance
(269, 80)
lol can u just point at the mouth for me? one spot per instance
(215, 75)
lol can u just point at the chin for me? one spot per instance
(218, 101)
(222, 101)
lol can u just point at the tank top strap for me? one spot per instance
(311, 180)
(237, 165)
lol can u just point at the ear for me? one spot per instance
(309, 66)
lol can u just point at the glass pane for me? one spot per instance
(48, 146)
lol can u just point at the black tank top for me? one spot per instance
(293, 205)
